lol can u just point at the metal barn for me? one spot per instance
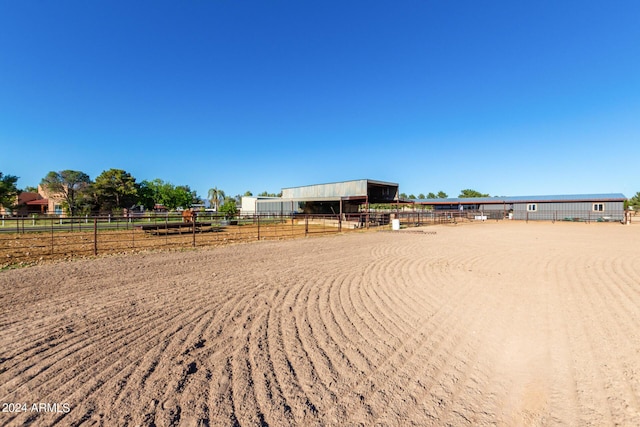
(341, 197)
(573, 207)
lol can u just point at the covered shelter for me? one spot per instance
(342, 197)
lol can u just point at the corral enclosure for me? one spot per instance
(495, 323)
(26, 241)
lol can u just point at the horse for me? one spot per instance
(188, 215)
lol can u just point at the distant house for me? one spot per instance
(26, 203)
(33, 203)
(40, 203)
(54, 201)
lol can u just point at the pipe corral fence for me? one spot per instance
(34, 238)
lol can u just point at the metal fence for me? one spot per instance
(29, 239)
(568, 215)
(430, 217)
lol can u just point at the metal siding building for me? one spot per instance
(269, 205)
(326, 191)
(366, 189)
(572, 207)
(590, 208)
(341, 197)
(331, 198)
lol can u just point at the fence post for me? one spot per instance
(95, 236)
(193, 221)
(306, 225)
(258, 220)
(52, 219)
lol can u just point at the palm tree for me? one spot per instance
(216, 197)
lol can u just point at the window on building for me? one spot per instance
(598, 207)
(532, 207)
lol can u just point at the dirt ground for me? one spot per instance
(495, 323)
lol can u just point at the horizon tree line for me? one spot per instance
(115, 189)
(112, 191)
(466, 193)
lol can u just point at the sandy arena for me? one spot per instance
(483, 324)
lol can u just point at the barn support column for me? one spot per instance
(367, 204)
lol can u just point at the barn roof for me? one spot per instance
(351, 181)
(359, 189)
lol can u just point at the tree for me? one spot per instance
(421, 196)
(403, 195)
(115, 189)
(184, 196)
(248, 193)
(147, 194)
(229, 208)
(634, 201)
(468, 193)
(442, 195)
(267, 194)
(431, 196)
(158, 192)
(69, 184)
(216, 197)
(165, 194)
(8, 190)
(87, 201)
(412, 196)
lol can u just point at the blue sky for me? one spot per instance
(507, 98)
